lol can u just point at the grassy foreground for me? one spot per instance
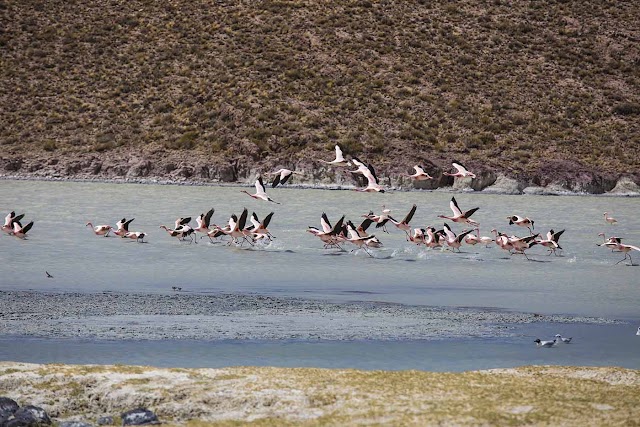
(283, 396)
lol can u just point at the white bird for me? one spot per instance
(203, 222)
(261, 193)
(328, 234)
(563, 339)
(100, 230)
(282, 176)
(236, 227)
(638, 333)
(339, 160)
(259, 228)
(359, 241)
(458, 215)
(609, 219)
(461, 172)
(419, 175)
(544, 343)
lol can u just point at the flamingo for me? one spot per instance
(626, 249)
(612, 242)
(259, 228)
(453, 240)
(461, 172)
(361, 242)
(9, 220)
(418, 236)
(419, 175)
(521, 244)
(502, 240)
(181, 231)
(458, 215)
(261, 194)
(339, 160)
(404, 224)
(100, 230)
(122, 227)
(137, 235)
(328, 234)
(521, 221)
(551, 242)
(610, 220)
(380, 220)
(282, 176)
(372, 180)
(19, 231)
(364, 225)
(236, 228)
(484, 240)
(204, 221)
(434, 238)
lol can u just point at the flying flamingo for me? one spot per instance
(610, 220)
(122, 227)
(435, 238)
(361, 242)
(20, 231)
(9, 220)
(419, 175)
(452, 240)
(372, 181)
(100, 230)
(282, 176)
(261, 194)
(204, 221)
(259, 228)
(521, 221)
(404, 224)
(461, 172)
(339, 160)
(521, 244)
(458, 215)
(551, 242)
(626, 249)
(328, 234)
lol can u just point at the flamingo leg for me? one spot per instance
(623, 259)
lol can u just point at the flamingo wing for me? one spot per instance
(260, 187)
(267, 220)
(454, 207)
(339, 156)
(243, 219)
(324, 221)
(410, 215)
(470, 212)
(207, 217)
(285, 176)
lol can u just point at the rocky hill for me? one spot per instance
(540, 91)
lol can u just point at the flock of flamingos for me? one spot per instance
(342, 232)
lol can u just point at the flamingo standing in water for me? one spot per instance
(100, 230)
(461, 172)
(419, 175)
(282, 176)
(458, 215)
(339, 160)
(261, 194)
(610, 220)
(9, 220)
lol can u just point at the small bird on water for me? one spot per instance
(49, 276)
(563, 339)
(544, 343)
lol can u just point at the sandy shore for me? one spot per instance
(111, 315)
(561, 396)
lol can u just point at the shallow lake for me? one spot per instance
(583, 281)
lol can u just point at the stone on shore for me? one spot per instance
(138, 417)
(28, 416)
(7, 407)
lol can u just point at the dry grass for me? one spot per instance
(311, 397)
(274, 81)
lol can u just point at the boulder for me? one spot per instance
(138, 417)
(28, 416)
(626, 186)
(140, 169)
(105, 421)
(74, 424)
(7, 407)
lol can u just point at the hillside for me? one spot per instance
(541, 91)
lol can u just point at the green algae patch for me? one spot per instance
(251, 396)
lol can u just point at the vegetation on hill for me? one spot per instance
(530, 88)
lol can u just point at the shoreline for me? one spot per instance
(147, 316)
(628, 187)
(308, 396)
